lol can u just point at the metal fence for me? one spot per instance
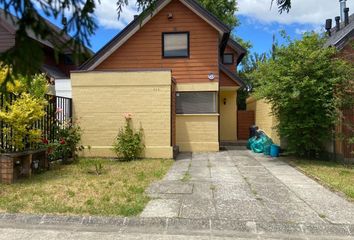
(58, 110)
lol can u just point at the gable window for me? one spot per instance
(196, 102)
(175, 45)
(228, 58)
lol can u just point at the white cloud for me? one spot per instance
(107, 17)
(303, 11)
(313, 12)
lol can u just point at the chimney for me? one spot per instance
(329, 26)
(337, 23)
(343, 5)
(346, 16)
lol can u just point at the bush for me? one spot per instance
(20, 117)
(129, 142)
(66, 143)
(306, 86)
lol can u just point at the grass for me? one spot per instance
(76, 189)
(186, 177)
(336, 176)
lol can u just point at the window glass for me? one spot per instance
(175, 45)
(196, 102)
(228, 59)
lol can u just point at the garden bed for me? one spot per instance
(336, 176)
(14, 166)
(89, 187)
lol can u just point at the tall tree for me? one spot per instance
(225, 10)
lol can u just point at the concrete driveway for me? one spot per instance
(227, 195)
(237, 185)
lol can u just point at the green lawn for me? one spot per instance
(77, 189)
(336, 176)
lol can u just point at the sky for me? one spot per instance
(259, 22)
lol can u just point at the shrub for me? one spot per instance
(129, 142)
(306, 86)
(20, 117)
(66, 143)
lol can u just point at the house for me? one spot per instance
(174, 70)
(342, 38)
(57, 70)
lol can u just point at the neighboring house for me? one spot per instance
(174, 70)
(342, 38)
(57, 71)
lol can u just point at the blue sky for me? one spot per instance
(258, 20)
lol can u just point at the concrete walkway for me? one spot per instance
(237, 185)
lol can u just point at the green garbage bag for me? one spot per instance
(250, 142)
(267, 145)
(259, 145)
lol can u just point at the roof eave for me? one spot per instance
(232, 76)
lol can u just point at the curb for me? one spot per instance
(172, 225)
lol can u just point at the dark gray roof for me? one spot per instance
(136, 22)
(238, 48)
(232, 75)
(11, 21)
(340, 38)
(53, 72)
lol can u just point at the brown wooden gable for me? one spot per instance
(144, 48)
(226, 81)
(233, 66)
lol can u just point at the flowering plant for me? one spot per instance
(66, 143)
(129, 143)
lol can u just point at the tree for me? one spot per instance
(283, 5)
(249, 64)
(306, 87)
(223, 9)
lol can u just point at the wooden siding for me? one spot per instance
(233, 66)
(144, 49)
(225, 81)
(7, 39)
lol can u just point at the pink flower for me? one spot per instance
(127, 116)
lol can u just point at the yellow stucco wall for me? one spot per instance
(264, 118)
(228, 115)
(197, 133)
(191, 87)
(101, 98)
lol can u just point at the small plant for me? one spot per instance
(96, 167)
(99, 168)
(128, 144)
(186, 177)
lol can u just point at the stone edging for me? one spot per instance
(172, 225)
